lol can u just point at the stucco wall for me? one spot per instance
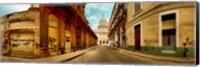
(150, 31)
(150, 23)
(28, 21)
(187, 25)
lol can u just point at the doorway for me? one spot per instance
(137, 30)
(67, 37)
(168, 32)
(53, 34)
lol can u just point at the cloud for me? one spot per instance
(92, 17)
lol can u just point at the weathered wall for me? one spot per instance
(150, 35)
(150, 23)
(25, 27)
(53, 31)
(22, 44)
(187, 26)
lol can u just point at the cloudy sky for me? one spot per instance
(93, 11)
(10, 8)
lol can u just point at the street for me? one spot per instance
(99, 33)
(106, 55)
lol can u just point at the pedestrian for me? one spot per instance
(185, 50)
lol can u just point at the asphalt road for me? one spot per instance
(106, 55)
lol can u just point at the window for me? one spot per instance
(169, 29)
(137, 7)
(67, 24)
(169, 37)
(168, 21)
(53, 21)
(169, 17)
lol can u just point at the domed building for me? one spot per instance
(102, 32)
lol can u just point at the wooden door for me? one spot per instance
(137, 37)
(169, 39)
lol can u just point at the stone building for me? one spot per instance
(20, 33)
(161, 28)
(102, 32)
(117, 25)
(46, 30)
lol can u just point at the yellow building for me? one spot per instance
(46, 31)
(161, 27)
(20, 33)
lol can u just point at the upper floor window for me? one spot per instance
(168, 21)
(137, 7)
(53, 21)
(171, 16)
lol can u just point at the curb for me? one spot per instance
(16, 59)
(66, 60)
(154, 58)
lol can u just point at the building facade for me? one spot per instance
(102, 32)
(117, 24)
(161, 28)
(46, 30)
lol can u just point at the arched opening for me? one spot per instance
(52, 34)
(78, 38)
(67, 35)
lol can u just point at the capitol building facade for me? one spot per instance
(102, 32)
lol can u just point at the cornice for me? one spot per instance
(157, 9)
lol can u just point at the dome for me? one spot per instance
(103, 23)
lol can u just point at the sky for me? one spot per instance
(10, 8)
(93, 11)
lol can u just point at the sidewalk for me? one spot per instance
(159, 58)
(59, 58)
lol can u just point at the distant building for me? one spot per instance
(102, 32)
(46, 30)
(117, 25)
(161, 27)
